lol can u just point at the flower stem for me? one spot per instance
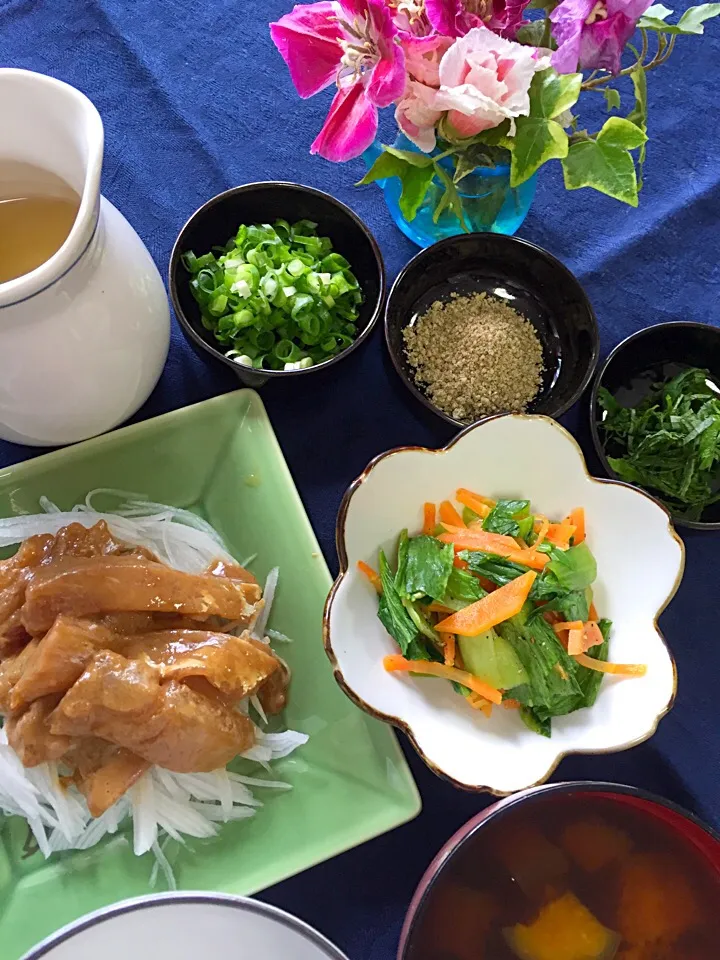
(664, 50)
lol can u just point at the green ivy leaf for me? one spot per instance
(612, 98)
(536, 141)
(603, 166)
(638, 115)
(654, 17)
(691, 22)
(694, 17)
(450, 199)
(552, 93)
(415, 179)
(410, 156)
(618, 132)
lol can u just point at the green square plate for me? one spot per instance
(350, 782)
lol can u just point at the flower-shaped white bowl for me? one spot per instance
(640, 563)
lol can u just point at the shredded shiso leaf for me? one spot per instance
(161, 804)
(277, 295)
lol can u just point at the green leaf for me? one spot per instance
(552, 93)
(575, 568)
(536, 141)
(657, 12)
(638, 115)
(410, 156)
(450, 199)
(462, 589)
(606, 168)
(415, 178)
(691, 22)
(391, 612)
(548, 5)
(504, 516)
(694, 17)
(428, 567)
(618, 132)
(531, 34)
(612, 98)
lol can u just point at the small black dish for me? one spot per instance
(218, 220)
(665, 349)
(531, 280)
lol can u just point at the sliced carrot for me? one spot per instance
(479, 505)
(487, 585)
(428, 527)
(371, 574)
(575, 641)
(619, 669)
(460, 563)
(592, 635)
(496, 607)
(577, 520)
(568, 625)
(448, 514)
(449, 649)
(541, 529)
(559, 534)
(466, 539)
(592, 613)
(480, 703)
(436, 607)
(396, 662)
(511, 704)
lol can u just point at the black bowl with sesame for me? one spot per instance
(484, 323)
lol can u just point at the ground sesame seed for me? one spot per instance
(475, 356)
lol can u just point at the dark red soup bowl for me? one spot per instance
(571, 871)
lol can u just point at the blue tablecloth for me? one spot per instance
(195, 99)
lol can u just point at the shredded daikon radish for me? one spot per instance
(161, 803)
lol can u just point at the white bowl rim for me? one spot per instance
(134, 904)
(402, 724)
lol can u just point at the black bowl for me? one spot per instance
(666, 348)
(218, 220)
(536, 284)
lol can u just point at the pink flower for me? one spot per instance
(455, 18)
(353, 43)
(416, 114)
(484, 79)
(593, 33)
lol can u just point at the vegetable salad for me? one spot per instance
(498, 600)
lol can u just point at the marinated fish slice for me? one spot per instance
(60, 658)
(231, 664)
(233, 571)
(81, 587)
(30, 736)
(105, 786)
(122, 701)
(11, 669)
(112, 694)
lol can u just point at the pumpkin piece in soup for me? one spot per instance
(536, 865)
(657, 902)
(459, 921)
(595, 844)
(564, 929)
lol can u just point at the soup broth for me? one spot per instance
(37, 213)
(572, 878)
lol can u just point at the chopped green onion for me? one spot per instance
(278, 295)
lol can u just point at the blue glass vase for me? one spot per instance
(490, 204)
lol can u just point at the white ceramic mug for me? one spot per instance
(84, 337)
